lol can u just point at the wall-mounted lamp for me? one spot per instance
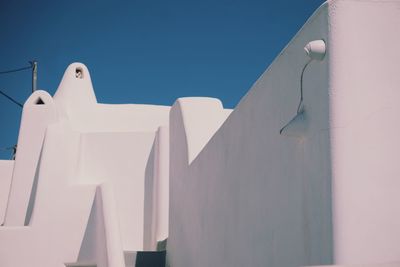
(315, 50)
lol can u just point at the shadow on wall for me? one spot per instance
(150, 258)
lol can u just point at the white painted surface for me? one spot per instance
(6, 170)
(76, 100)
(201, 117)
(162, 184)
(70, 148)
(119, 159)
(156, 199)
(364, 93)
(94, 183)
(35, 119)
(259, 198)
(253, 197)
(113, 235)
(60, 214)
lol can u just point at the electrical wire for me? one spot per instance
(15, 70)
(300, 106)
(32, 66)
(301, 86)
(11, 99)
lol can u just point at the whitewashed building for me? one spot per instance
(303, 172)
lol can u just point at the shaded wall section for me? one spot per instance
(253, 197)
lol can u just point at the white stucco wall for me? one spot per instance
(78, 181)
(34, 122)
(120, 159)
(6, 170)
(253, 197)
(156, 193)
(364, 77)
(93, 183)
(325, 193)
(61, 210)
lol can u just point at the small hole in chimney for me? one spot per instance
(39, 101)
(79, 73)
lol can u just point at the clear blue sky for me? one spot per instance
(143, 51)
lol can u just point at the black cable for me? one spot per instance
(15, 70)
(11, 99)
(299, 107)
(14, 148)
(301, 86)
